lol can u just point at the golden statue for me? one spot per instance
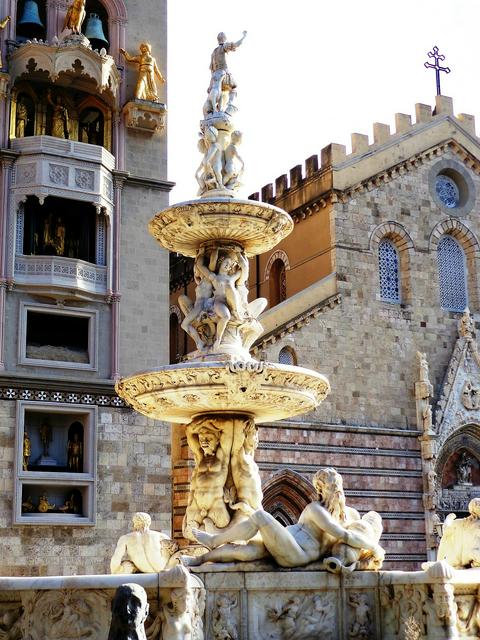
(146, 88)
(44, 505)
(75, 16)
(75, 454)
(27, 505)
(21, 119)
(45, 437)
(3, 24)
(60, 125)
(27, 450)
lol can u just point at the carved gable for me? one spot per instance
(459, 403)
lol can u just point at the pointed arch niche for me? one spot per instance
(286, 495)
(453, 497)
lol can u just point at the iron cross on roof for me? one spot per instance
(438, 58)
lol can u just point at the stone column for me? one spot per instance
(114, 296)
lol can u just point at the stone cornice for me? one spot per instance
(150, 183)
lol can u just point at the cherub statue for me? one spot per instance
(148, 70)
(75, 16)
(234, 164)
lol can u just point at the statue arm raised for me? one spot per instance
(234, 45)
(203, 269)
(130, 58)
(226, 441)
(120, 549)
(4, 22)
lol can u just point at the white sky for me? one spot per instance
(310, 72)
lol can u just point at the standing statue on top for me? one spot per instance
(221, 167)
(3, 24)
(75, 16)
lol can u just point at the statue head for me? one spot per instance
(179, 599)
(329, 486)
(374, 519)
(129, 609)
(221, 38)
(208, 438)
(141, 521)
(145, 47)
(474, 507)
(236, 137)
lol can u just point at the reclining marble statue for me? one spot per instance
(460, 542)
(143, 550)
(325, 527)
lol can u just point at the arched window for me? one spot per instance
(388, 271)
(287, 356)
(278, 282)
(452, 274)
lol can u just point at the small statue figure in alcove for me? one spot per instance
(60, 119)
(45, 437)
(27, 450)
(21, 119)
(464, 469)
(75, 454)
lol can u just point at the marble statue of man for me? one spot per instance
(460, 543)
(129, 612)
(143, 550)
(220, 72)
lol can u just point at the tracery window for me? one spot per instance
(287, 356)
(388, 268)
(452, 275)
(447, 190)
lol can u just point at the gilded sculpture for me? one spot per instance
(75, 454)
(44, 506)
(3, 24)
(143, 550)
(322, 524)
(75, 16)
(60, 118)
(148, 72)
(27, 450)
(21, 119)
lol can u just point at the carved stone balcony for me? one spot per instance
(53, 273)
(67, 63)
(49, 166)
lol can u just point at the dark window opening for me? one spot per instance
(52, 336)
(278, 283)
(59, 227)
(91, 126)
(174, 339)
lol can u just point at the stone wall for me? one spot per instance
(133, 474)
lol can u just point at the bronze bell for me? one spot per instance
(94, 30)
(31, 15)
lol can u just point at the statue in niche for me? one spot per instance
(143, 550)
(21, 119)
(3, 24)
(464, 469)
(210, 439)
(73, 504)
(129, 612)
(44, 506)
(27, 450)
(460, 543)
(220, 73)
(76, 14)
(75, 454)
(54, 236)
(60, 119)
(45, 437)
(322, 523)
(27, 505)
(148, 70)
